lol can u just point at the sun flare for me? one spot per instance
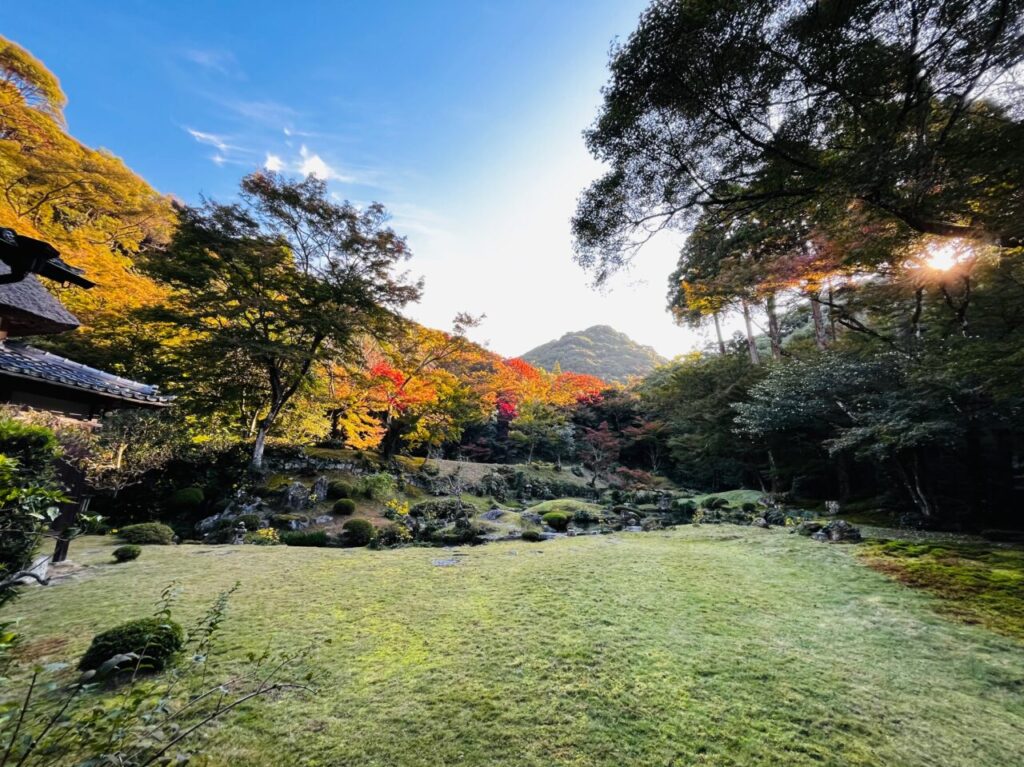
(943, 256)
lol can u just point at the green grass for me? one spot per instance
(567, 506)
(978, 583)
(701, 646)
(736, 498)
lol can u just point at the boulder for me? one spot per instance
(808, 528)
(841, 531)
(760, 522)
(296, 497)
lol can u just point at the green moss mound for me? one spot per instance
(155, 533)
(344, 507)
(155, 640)
(127, 553)
(358, 532)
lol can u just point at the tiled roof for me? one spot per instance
(29, 309)
(26, 361)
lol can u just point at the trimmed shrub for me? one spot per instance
(154, 639)
(155, 533)
(344, 506)
(316, 538)
(358, 532)
(252, 522)
(749, 507)
(339, 488)
(556, 520)
(392, 534)
(187, 499)
(532, 535)
(127, 553)
(714, 502)
(583, 517)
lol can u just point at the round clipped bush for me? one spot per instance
(339, 488)
(358, 532)
(344, 506)
(749, 507)
(127, 553)
(186, 499)
(147, 532)
(252, 522)
(155, 640)
(532, 535)
(556, 520)
(714, 502)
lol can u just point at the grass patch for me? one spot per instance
(567, 506)
(697, 646)
(735, 498)
(977, 583)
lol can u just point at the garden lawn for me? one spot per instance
(700, 646)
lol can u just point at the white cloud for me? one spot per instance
(273, 163)
(313, 164)
(210, 138)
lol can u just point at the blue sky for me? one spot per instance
(463, 118)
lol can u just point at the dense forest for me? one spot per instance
(862, 225)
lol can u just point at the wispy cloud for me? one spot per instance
(213, 139)
(219, 61)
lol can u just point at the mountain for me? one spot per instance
(600, 351)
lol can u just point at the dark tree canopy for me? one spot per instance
(906, 113)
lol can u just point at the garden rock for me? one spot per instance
(760, 522)
(492, 515)
(808, 528)
(296, 497)
(841, 531)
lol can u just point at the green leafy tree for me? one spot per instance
(282, 279)
(906, 114)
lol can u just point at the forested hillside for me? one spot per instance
(600, 351)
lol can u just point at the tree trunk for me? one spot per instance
(718, 333)
(755, 358)
(261, 442)
(774, 333)
(820, 334)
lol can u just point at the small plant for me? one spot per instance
(583, 516)
(358, 532)
(154, 641)
(339, 488)
(268, 536)
(313, 538)
(127, 553)
(532, 535)
(556, 520)
(155, 533)
(377, 485)
(392, 534)
(344, 507)
(749, 507)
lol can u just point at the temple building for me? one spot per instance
(37, 378)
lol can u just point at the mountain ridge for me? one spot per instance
(599, 350)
